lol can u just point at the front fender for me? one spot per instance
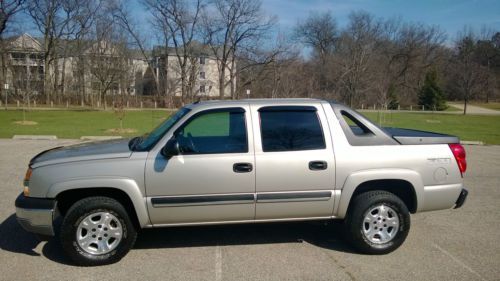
(126, 185)
(359, 177)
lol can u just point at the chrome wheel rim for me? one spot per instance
(99, 233)
(380, 224)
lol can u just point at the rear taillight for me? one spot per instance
(459, 153)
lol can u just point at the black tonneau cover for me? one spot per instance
(409, 137)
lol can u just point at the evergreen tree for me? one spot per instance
(392, 97)
(431, 96)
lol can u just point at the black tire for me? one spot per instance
(82, 209)
(355, 223)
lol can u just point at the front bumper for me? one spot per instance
(36, 214)
(461, 198)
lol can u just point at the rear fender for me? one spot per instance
(357, 178)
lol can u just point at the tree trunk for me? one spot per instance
(3, 76)
(165, 78)
(63, 77)
(465, 105)
(55, 89)
(46, 80)
(232, 77)
(183, 87)
(222, 80)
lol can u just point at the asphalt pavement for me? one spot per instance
(461, 244)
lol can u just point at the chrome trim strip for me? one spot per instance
(36, 220)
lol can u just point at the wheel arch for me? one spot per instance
(406, 184)
(125, 191)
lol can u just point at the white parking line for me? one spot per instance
(218, 263)
(458, 261)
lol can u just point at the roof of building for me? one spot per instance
(72, 48)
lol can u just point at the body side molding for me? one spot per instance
(200, 200)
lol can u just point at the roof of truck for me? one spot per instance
(257, 101)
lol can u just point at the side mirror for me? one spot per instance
(171, 148)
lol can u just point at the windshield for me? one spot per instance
(149, 140)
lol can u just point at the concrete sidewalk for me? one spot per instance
(474, 110)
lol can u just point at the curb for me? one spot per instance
(100, 137)
(34, 137)
(472, 142)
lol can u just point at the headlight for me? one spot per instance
(26, 182)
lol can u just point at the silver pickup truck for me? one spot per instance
(245, 161)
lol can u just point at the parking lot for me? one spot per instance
(460, 244)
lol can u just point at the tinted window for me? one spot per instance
(214, 132)
(290, 130)
(357, 128)
(152, 138)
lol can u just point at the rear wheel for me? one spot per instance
(97, 231)
(378, 222)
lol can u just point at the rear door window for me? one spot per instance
(290, 128)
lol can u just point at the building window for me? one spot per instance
(202, 60)
(202, 89)
(18, 56)
(202, 75)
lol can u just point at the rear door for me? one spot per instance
(294, 159)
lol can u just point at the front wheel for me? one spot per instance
(97, 231)
(378, 222)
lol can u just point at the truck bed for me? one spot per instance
(412, 137)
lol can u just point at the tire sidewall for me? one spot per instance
(362, 204)
(73, 219)
(400, 234)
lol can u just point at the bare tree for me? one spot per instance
(181, 21)
(139, 40)
(52, 18)
(319, 32)
(357, 48)
(230, 26)
(467, 72)
(405, 53)
(73, 43)
(488, 55)
(8, 8)
(107, 59)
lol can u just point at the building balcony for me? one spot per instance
(26, 62)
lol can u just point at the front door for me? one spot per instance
(213, 177)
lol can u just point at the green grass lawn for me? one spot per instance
(483, 128)
(74, 124)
